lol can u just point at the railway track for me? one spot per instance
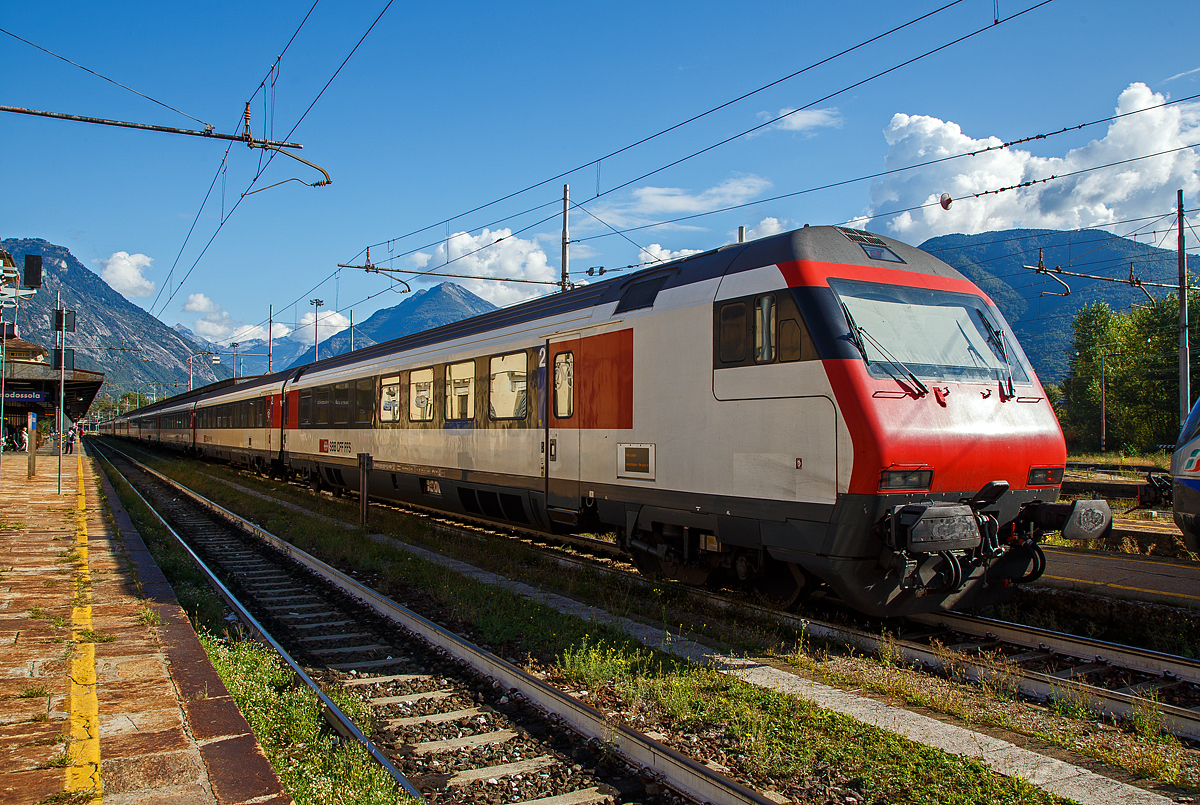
(1042, 664)
(451, 722)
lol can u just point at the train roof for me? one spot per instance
(822, 244)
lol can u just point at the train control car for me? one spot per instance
(1185, 483)
(821, 409)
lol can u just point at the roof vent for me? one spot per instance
(859, 236)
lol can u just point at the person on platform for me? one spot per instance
(23, 439)
(71, 440)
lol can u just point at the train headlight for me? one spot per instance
(905, 479)
(1045, 476)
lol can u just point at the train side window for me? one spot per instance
(564, 385)
(508, 396)
(321, 406)
(341, 403)
(791, 342)
(306, 407)
(460, 391)
(420, 395)
(364, 401)
(731, 347)
(389, 399)
(764, 329)
(261, 411)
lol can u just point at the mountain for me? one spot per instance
(1041, 319)
(424, 310)
(136, 351)
(189, 336)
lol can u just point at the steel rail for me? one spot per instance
(1180, 721)
(678, 771)
(263, 635)
(1132, 657)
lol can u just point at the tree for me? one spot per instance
(1133, 360)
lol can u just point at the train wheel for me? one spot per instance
(647, 564)
(652, 567)
(783, 585)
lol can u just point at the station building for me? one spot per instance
(31, 383)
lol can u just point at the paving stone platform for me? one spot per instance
(104, 686)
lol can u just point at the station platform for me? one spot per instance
(104, 686)
(1175, 582)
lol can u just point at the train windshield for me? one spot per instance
(939, 335)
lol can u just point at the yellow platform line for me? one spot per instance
(84, 748)
(1094, 583)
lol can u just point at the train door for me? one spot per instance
(562, 430)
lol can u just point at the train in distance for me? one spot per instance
(823, 409)
(1185, 480)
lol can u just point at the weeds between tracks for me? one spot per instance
(772, 739)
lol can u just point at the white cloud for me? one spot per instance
(649, 204)
(419, 259)
(767, 227)
(673, 200)
(1181, 75)
(123, 272)
(331, 324)
(215, 324)
(1093, 199)
(199, 303)
(803, 120)
(510, 256)
(654, 254)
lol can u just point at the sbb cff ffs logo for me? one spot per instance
(330, 446)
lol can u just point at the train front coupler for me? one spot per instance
(935, 545)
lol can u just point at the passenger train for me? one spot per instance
(821, 409)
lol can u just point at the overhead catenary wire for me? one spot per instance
(106, 78)
(204, 202)
(741, 134)
(262, 169)
(890, 172)
(780, 117)
(648, 138)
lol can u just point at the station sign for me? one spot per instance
(24, 396)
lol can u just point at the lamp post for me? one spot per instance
(234, 345)
(316, 303)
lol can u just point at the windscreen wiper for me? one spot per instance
(922, 389)
(996, 336)
(854, 334)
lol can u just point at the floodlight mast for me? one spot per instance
(316, 303)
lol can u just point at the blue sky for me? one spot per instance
(446, 107)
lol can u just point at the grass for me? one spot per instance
(33, 692)
(1159, 458)
(89, 636)
(779, 740)
(523, 629)
(1067, 719)
(533, 635)
(148, 617)
(69, 798)
(313, 764)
